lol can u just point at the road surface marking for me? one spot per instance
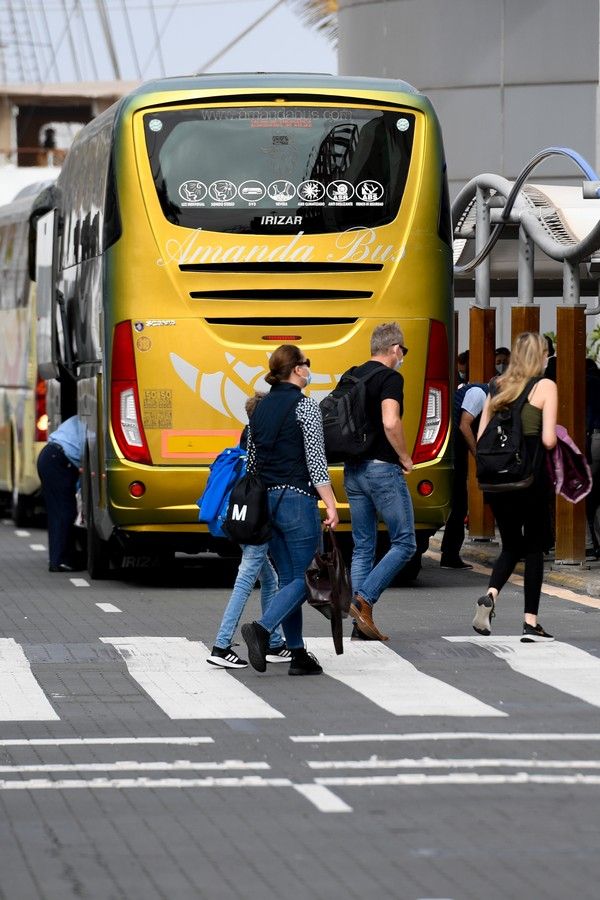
(37, 547)
(106, 741)
(427, 762)
(418, 779)
(321, 797)
(558, 665)
(21, 697)
(126, 783)
(534, 737)
(174, 673)
(125, 765)
(108, 607)
(394, 684)
(79, 582)
(21, 533)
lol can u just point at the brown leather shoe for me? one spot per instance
(362, 612)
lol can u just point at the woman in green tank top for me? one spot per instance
(518, 512)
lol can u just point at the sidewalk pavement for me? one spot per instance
(583, 579)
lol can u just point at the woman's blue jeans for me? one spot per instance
(295, 540)
(378, 489)
(254, 564)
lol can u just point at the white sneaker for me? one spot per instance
(227, 659)
(279, 655)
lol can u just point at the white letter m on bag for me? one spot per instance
(237, 514)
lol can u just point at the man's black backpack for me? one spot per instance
(347, 427)
(503, 460)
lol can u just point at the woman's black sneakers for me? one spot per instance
(304, 663)
(484, 613)
(535, 634)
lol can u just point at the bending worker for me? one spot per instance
(58, 467)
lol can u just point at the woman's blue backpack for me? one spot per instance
(225, 472)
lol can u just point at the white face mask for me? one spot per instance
(308, 377)
(500, 368)
(399, 364)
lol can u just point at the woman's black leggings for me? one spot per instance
(520, 518)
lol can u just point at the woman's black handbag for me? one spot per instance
(329, 588)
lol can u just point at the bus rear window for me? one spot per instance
(271, 169)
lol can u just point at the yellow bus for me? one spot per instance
(23, 420)
(201, 222)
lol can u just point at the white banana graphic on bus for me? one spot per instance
(226, 395)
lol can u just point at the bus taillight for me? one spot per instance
(41, 416)
(435, 414)
(125, 402)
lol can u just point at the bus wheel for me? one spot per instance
(98, 555)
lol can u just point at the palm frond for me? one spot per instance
(321, 15)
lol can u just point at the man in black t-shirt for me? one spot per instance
(375, 484)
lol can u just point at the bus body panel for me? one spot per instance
(198, 358)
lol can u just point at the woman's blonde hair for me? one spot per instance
(526, 361)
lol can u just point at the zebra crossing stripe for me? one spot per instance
(394, 684)
(173, 671)
(558, 665)
(21, 697)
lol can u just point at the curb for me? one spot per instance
(575, 578)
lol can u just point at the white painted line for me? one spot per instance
(174, 673)
(412, 779)
(37, 547)
(394, 684)
(21, 697)
(108, 607)
(79, 582)
(21, 533)
(534, 737)
(428, 763)
(104, 741)
(180, 765)
(246, 781)
(551, 589)
(558, 665)
(321, 797)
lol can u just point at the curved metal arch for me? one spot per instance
(511, 191)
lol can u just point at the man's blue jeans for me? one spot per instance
(296, 538)
(378, 489)
(254, 564)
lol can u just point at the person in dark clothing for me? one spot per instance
(550, 370)
(501, 359)
(468, 403)
(375, 485)
(254, 565)
(592, 446)
(58, 467)
(286, 446)
(518, 512)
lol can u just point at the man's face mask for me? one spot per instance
(501, 367)
(462, 376)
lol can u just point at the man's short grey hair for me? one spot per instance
(384, 337)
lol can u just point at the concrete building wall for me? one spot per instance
(506, 77)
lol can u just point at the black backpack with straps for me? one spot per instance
(504, 462)
(347, 427)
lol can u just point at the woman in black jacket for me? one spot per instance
(285, 445)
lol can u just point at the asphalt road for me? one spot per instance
(440, 765)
